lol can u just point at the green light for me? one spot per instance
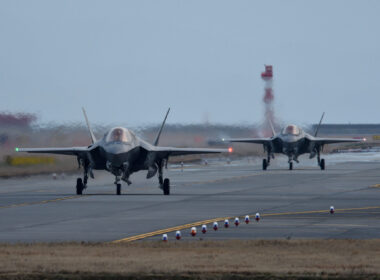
(16, 149)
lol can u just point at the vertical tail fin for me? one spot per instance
(271, 126)
(162, 126)
(319, 125)
(93, 139)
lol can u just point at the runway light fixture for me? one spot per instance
(193, 231)
(215, 226)
(204, 229)
(165, 237)
(257, 217)
(178, 235)
(246, 219)
(226, 223)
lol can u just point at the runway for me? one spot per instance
(293, 204)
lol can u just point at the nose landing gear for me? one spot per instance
(118, 185)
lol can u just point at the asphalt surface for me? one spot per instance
(292, 204)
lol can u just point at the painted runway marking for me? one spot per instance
(321, 211)
(199, 223)
(150, 234)
(41, 202)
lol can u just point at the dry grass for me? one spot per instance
(212, 260)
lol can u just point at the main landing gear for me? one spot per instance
(321, 162)
(266, 161)
(81, 184)
(265, 164)
(164, 184)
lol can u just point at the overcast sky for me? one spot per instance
(127, 61)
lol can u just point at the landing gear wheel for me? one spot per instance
(166, 186)
(79, 186)
(290, 165)
(118, 189)
(265, 164)
(322, 165)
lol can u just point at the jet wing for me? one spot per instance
(75, 151)
(169, 151)
(249, 140)
(324, 141)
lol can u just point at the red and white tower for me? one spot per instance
(267, 77)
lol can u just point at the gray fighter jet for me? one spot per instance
(293, 142)
(122, 153)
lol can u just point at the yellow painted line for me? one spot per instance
(320, 211)
(199, 223)
(150, 234)
(40, 202)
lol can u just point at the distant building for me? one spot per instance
(348, 129)
(12, 125)
(21, 120)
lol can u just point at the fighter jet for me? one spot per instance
(293, 142)
(122, 153)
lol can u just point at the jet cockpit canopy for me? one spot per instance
(291, 130)
(119, 134)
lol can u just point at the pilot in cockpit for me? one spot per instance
(291, 130)
(117, 135)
